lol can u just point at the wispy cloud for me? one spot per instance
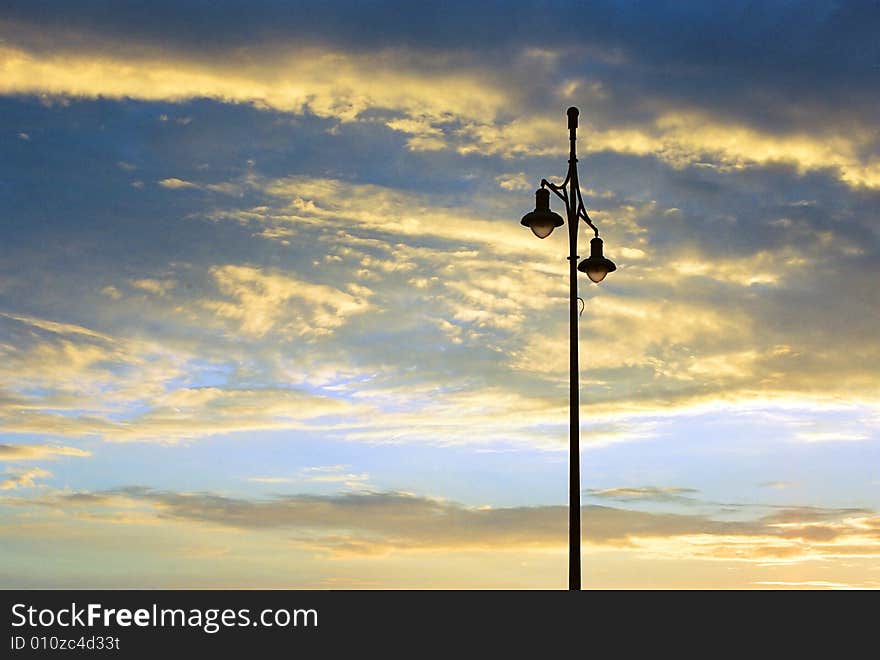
(326, 474)
(23, 478)
(38, 452)
(647, 493)
(174, 183)
(777, 485)
(154, 286)
(265, 301)
(448, 103)
(832, 436)
(384, 522)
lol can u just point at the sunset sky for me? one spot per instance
(268, 317)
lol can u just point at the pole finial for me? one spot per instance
(572, 113)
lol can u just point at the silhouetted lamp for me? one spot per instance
(542, 221)
(596, 266)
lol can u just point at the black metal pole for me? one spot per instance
(574, 469)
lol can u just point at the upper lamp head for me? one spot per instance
(542, 221)
(596, 266)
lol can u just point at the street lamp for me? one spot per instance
(542, 221)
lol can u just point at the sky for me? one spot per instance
(268, 318)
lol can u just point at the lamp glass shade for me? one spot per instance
(597, 274)
(542, 225)
(596, 266)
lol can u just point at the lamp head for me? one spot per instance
(542, 221)
(596, 266)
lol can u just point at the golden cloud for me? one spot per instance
(98, 377)
(686, 137)
(426, 97)
(37, 452)
(379, 523)
(326, 83)
(23, 478)
(152, 285)
(265, 301)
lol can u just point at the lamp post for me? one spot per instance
(542, 221)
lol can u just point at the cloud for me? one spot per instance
(272, 301)
(480, 105)
(325, 82)
(778, 46)
(686, 137)
(327, 474)
(778, 485)
(832, 436)
(647, 493)
(23, 478)
(89, 383)
(37, 452)
(152, 285)
(725, 225)
(429, 279)
(488, 295)
(175, 184)
(813, 584)
(54, 327)
(378, 523)
(682, 334)
(514, 181)
(402, 297)
(379, 209)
